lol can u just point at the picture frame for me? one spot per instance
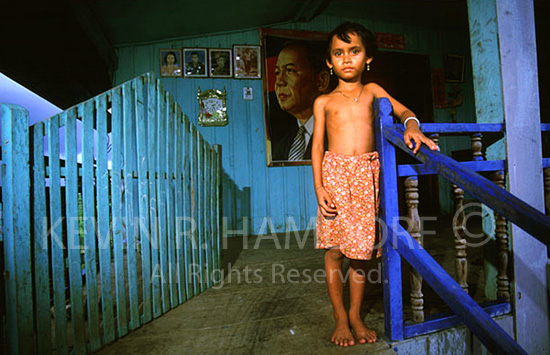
(280, 124)
(170, 63)
(454, 68)
(247, 63)
(220, 62)
(212, 107)
(195, 62)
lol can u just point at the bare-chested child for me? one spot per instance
(346, 176)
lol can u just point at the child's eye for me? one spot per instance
(337, 54)
(355, 51)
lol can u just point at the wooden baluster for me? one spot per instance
(461, 262)
(476, 146)
(501, 235)
(411, 197)
(547, 190)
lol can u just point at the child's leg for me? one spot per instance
(358, 278)
(333, 266)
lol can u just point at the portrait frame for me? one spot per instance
(279, 125)
(227, 70)
(247, 61)
(454, 68)
(166, 72)
(212, 107)
(194, 71)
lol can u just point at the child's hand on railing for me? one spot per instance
(413, 134)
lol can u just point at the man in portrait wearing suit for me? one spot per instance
(301, 76)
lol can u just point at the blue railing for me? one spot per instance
(399, 243)
(145, 237)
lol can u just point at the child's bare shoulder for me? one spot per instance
(375, 89)
(324, 100)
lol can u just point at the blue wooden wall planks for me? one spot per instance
(252, 191)
(136, 187)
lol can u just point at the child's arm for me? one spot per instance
(412, 131)
(317, 152)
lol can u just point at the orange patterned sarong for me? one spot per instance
(352, 182)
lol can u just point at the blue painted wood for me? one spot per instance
(16, 222)
(117, 203)
(161, 188)
(86, 111)
(546, 162)
(179, 203)
(143, 193)
(153, 98)
(391, 261)
(188, 225)
(57, 245)
(528, 218)
(41, 247)
(200, 211)
(459, 128)
(130, 195)
(73, 232)
(170, 207)
(208, 215)
(219, 204)
(438, 322)
(480, 323)
(545, 127)
(421, 169)
(194, 237)
(103, 220)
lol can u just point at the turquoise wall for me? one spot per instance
(260, 199)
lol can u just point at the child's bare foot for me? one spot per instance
(362, 332)
(342, 334)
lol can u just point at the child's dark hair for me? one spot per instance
(343, 31)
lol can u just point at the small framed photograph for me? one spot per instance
(454, 68)
(195, 63)
(170, 62)
(247, 62)
(220, 63)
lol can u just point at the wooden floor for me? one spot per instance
(262, 309)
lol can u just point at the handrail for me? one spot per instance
(512, 208)
(399, 242)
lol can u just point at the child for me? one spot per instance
(346, 176)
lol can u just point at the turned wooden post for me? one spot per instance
(461, 261)
(476, 145)
(411, 198)
(547, 190)
(501, 235)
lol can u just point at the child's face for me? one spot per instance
(348, 59)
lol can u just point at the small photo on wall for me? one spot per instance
(454, 68)
(170, 62)
(220, 63)
(247, 60)
(195, 63)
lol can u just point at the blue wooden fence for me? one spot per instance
(102, 240)
(399, 243)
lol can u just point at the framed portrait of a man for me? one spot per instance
(295, 74)
(195, 63)
(220, 63)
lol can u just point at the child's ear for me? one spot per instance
(329, 64)
(369, 60)
(323, 80)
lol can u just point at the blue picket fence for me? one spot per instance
(399, 243)
(109, 228)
